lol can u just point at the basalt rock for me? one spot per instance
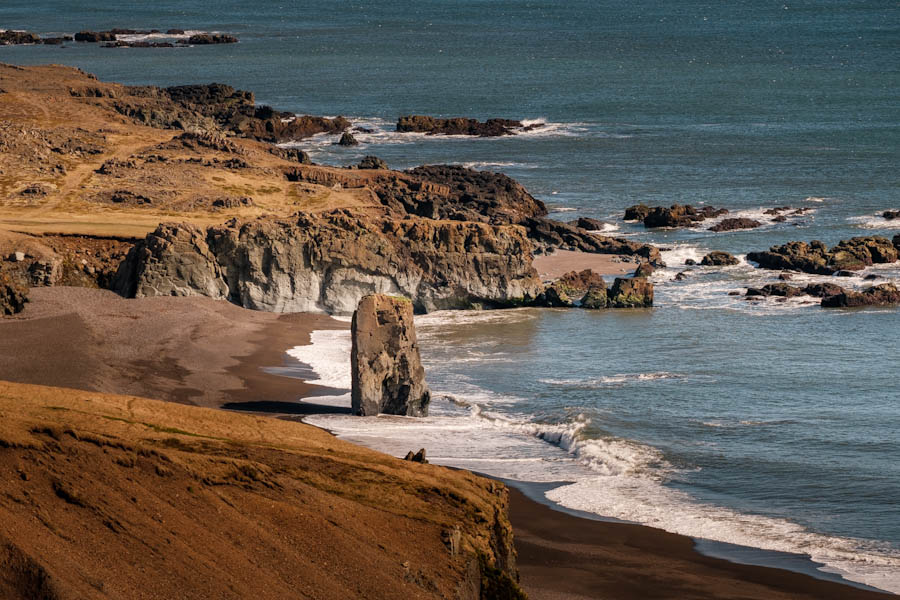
(327, 262)
(588, 224)
(734, 224)
(14, 38)
(848, 255)
(459, 126)
(202, 39)
(879, 295)
(385, 366)
(817, 290)
(644, 270)
(95, 36)
(372, 162)
(719, 259)
(347, 139)
(796, 256)
(637, 212)
(630, 293)
(13, 291)
(679, 215)
(580, 281)
(595, 298)
(555, 295)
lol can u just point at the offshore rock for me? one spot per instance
(679, 215)
(797, 256)
(459, 126)
(555, 295)
(588, 224)
(717, 258)
(386, 369)
(644, 270)
(879, 295)
(637, 212)
(327, 262)
(734, 224)
(631, 293)
(347, 139)
(860, 252)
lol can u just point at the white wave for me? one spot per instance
(874, 221)
(497, 165)
(443, 318)
(816, 199)
(677, 254)
(328, 355)
(647, 502)
(612, 380)
(146, 37)
(561, 209)
(607, 228)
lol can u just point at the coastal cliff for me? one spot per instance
(328, 262)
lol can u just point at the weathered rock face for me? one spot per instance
(459, 126)
(848, 255)
(13, 292)
(733, 224)
(879, 295)
(327, 262)
(386, 369)
(717, 259)
(630, 293)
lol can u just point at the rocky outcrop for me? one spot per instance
(595, 298)
(637, 212)
(644, 270)
(385, 366)
(890, 215)
(327, 262)
(717, 258)
(372, 162)
(219, 107)
(630, 293)
(13, 291)
(678, 215)
(203, 39)
(848, 255)
(460, 126)
(734, 224)
(13, 38)
(587, 224)
(555, 295)
(95, 36)
(879, 295)
(797, 256)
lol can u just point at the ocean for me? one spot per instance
(769, 424)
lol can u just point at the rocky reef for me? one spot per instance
(677, 215)
(460, 126)
(328, 262)
(815, 257)
(385, 366)
(587, 289)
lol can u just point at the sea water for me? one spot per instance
(774, 424)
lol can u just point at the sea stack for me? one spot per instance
(386, 370)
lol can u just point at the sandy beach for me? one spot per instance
(554, 266)
(200, 351)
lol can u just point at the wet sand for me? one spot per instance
(553, 266)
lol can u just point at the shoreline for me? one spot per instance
(259, 375)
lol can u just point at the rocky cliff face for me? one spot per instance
(328, 262)
(385, 366)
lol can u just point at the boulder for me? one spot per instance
(386, 369)
(795, 256)
(719, 259)
(822, 290)
(555, 295)
(679, 215)
(879, 295)
(372, 162)
(637, 212)
(776, 289)
(347, 139)
(418, 457)
(644, 270)
(630, 293)
(579, 281)
(890, 215)
(588, 224)
(733, 224)
(595, 298)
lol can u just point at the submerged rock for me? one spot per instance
(719, 259)
(386, 369)
(630, 293)
(879, 295)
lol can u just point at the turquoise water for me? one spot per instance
(770, 424)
